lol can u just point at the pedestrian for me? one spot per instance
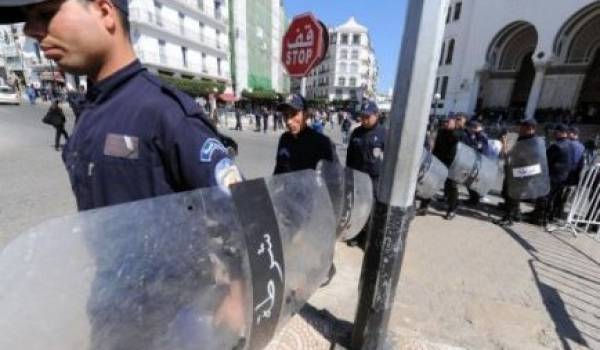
(31, 94)
(444, 149)
(300, 147)
(512, 207)
(257, 118)
(137, 138)
(365, 152)
(238, 119)
(56, 117)
(265, 119)
(346, 126)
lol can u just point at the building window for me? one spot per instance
(352, 82)
(333, 38)
(354, 68)
(354, 55)
(218, 38)
(444, 87)
(218, 13)
(343, 68)
(184, 56)
(437, 85)
(344, 54)
(450, 53)
(339, 93)
(162, 52)
(341, 81)
(457, 9)
(204, 69)
(181, 23)
(356, 39)
(344, 39)
(449, 15)
(201, 31)
(201, 5)
(219, 73)
(157, 12)
(442, 54)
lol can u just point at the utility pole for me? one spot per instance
(394, 208)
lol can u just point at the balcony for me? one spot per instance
(216, 18)
(178, 30)
(176, 63)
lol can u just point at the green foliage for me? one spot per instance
(194, 87)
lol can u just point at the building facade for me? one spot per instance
(183, 38)
(349, 72)
(523, 57)
(258, 27)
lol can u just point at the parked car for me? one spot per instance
(9, 95)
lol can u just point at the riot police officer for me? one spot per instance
(367, 142)
(559, 166)
(136, 138)
(300, 147)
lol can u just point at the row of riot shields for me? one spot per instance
(524, 174)
(207, 269)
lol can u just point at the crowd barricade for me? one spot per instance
(584, 203)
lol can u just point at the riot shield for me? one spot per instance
(472, 169)
(205, 269)
(432, 175)
(527, 172)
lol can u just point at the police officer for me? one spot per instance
(444, 149)
(367, 142)
(512, 207)
(577, 150)
(136, 138)
(300, 147)
(559, 167)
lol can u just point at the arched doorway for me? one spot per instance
(589, 97)
(523, 83)
(577, 47)
(507, 85)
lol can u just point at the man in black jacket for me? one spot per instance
(445, 150)
(559, 167)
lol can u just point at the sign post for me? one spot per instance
(304, 46)
(394, 208)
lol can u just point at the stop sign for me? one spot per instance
(304, 45)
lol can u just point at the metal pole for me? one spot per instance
(395, 194)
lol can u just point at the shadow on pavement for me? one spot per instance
(568, 282)
(330, 327)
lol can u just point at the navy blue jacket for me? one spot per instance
(139, 138)
(303, 151)
(365, 151)
(559, 162)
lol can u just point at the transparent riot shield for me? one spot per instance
(472, 169)
(206, 269)
(527, 173)
(432, 175)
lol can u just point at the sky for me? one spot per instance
(384, 18)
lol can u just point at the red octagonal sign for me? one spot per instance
(304, 45)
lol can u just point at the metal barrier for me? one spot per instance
(584, 212)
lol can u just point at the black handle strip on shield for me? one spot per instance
(265, 253)
(475, 171)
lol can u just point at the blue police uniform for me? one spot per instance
(559, 166)
(139, 138)
(365, 151)
(303, 151)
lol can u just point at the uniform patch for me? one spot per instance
(227, 174)
(209, 148)
(122, 146)
(378, 153)
(284, 153)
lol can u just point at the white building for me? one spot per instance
(522, 56)
(349, 71)
(186, 38)
(258, 27)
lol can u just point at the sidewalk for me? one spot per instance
(468, 284)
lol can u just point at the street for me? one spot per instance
(464, 284)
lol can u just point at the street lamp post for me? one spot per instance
(394, 208)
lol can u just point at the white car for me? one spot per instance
(9, 95)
